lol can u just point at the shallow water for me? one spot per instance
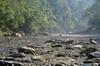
(96, 37)
(89, 64)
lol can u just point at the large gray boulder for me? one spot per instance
(95, 54)
(87, 51)
(17, 55)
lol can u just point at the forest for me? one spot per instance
(53, 16)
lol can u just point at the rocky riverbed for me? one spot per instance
(46, 50)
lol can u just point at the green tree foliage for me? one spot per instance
(10, 17)
(24, 15)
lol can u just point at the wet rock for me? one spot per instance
(1, 58)
(37, 58)
(77, 46)
(17, 64)
(50, 41)
(10, 63)
(7, 63)
(17, 55)
(60, 64)
(49, 65)
(1, 63)
(95, 64)
(76, 56)
(31, 46)
(68, 48)
(88, 61)
(26, 50)
(54, 41)
(17, 35)
(61, 55)
(87, 51)
(59, 41)
(69, 41)
(92, 41)
(72, 60)
(9, 39)
(75, 65)
(96, 60)
(9, 59)
(24, 60)
(56, 45)
(95, 54)
(98, 64)
(12, 51)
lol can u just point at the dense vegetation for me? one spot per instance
(24, 15)
(30, 16)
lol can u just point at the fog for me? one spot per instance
(76, 9)
(69, 16)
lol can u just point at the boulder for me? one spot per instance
(1, 58)
(95, 54)
(96, 60)
(88, 61)
(7, 63)
(25, 60)
(17, 35)
(92, 41)
(87, 51)
(17, 55)
(77, 46)
(56, 45)
(27, 50)
(17, 64)
(69, 41)
(50, 41)
(54, 41)
(96, 64)
(68, 47)
(1, 63)
(9, 59)
(61, 55)
(38, 58)
(60, 64)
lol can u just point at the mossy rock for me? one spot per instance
(87, 51)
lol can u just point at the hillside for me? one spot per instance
(59, 16)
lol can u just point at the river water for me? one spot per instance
(96, 37)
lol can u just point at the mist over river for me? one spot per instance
(96, 37)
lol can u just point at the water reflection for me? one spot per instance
(88, 64)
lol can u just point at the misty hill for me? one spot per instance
(32, 16)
